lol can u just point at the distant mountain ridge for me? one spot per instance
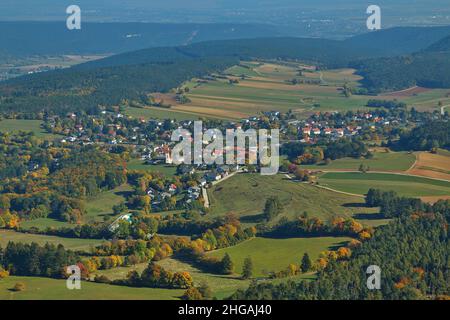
(401, 40)
(53, 38)
(334, 53)
(440, 46)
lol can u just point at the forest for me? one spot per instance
(425, 69)
(424, 138)
(43, 181)
(413, 255)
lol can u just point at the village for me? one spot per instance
(149, 141)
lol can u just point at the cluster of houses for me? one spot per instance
(159, 196)
(311, 129)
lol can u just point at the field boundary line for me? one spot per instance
(417, 155)
(388, 172)
(337, 191)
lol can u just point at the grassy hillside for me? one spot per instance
(73, 244)
(409, 186)
(16, 125)
(51, 289)
(381, 161)
(249, 191)
(276, 254)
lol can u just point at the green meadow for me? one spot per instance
(138, 164)
(276, 254)
(381, 161)
(17, 125)
(100, 207)
(69, 243)
(360, 183)
(245, 194)
(52, 289)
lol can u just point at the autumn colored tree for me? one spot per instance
(19, 286)
(192, 294)
(182, 280)
(3, 273)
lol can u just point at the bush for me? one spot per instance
(19, 286)
(3, 273)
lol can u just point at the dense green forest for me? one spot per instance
(84, 89)
(435, 134)
(401, 40)
(425, 69)
(412, 252)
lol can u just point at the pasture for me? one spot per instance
(18, 125)
(44, 223)
(222, 286)
(381, 161)
(73, 244)
(138, 164)
(52, 289)
(250, 191)
(404, 185)
(100, 207)
(276, 254)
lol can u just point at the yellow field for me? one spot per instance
(432, 166)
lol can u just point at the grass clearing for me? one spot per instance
(101, 205)
(17, 125)
(138, 164)
(44, 223)
(276, 254)
(52, 289)
(69, 243)
(404, 185)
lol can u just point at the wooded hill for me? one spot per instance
(425, 69)
(133, 75)
(440, 46)
(25, 38)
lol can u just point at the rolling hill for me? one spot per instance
(24, 38)
(440, 46)
(133, 75)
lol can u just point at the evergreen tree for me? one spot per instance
(227, 264)
(247, 270)
(306, 263)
